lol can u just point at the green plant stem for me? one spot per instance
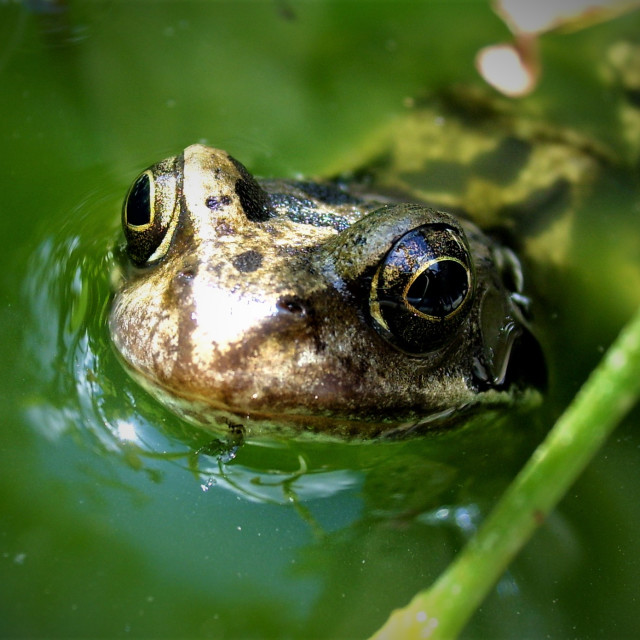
(444, 609)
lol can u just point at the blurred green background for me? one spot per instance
(117, 520)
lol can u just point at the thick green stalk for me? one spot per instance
(444, 609)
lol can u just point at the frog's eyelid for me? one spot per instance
(374, 303)
(165, 243)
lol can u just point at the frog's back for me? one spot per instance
(517, 177)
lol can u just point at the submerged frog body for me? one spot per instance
(275, 304)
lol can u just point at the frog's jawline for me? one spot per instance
(229, 421)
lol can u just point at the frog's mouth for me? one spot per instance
(235, 422)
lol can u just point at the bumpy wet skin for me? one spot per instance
(271, 305)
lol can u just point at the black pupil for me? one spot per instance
(138, 204)
(440, 289)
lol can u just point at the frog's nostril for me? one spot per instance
(217, 202)
(292, 305)
(188, 273)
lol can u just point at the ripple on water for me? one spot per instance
(81, 390)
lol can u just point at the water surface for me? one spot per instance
(119, 520)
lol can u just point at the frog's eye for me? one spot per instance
(138, 212)
(422, 289)
(149, 214)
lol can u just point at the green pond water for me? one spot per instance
(118, 520)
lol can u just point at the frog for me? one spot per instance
(386, 302)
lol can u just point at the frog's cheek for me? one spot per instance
(511, 354)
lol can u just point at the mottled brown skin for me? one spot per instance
(263, 306)
(257, 309)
